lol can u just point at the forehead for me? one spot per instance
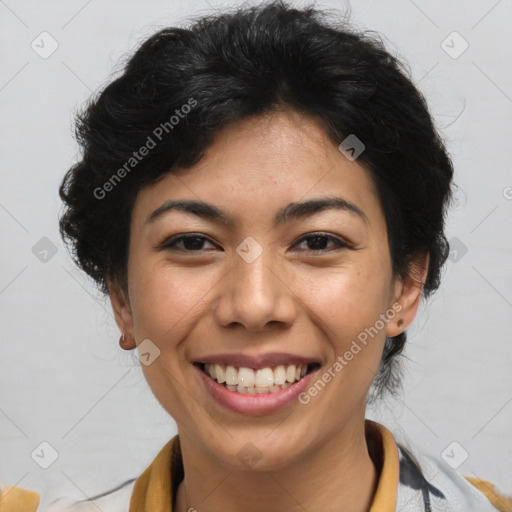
(255, 166)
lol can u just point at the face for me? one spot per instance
(254, 280)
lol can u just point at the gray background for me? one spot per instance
(63, 378)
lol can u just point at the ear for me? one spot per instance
(407, 295)
(122, 313)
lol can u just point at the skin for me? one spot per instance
(291, 299)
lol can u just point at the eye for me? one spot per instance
(186, 243)
(317, 242)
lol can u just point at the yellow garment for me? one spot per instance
(385, 495)
(502, 503)
(155, 489)
(15, 499)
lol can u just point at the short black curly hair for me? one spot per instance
(183, 85)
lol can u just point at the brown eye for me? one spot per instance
(186, 243)
(318, 242)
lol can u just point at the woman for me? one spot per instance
(262, 196)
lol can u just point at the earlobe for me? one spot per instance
(126, 343)
(408, 293)
(122, 314)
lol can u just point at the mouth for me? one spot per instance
(266, 380)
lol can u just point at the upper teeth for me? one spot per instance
(261, 378)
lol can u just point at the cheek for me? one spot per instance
(348, 303)
(347, 300)
(166, 300)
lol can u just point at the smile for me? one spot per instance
(257, 381)
(255, 384)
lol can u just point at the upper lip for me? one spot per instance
(256, 361)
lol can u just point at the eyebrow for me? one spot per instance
(290, 212)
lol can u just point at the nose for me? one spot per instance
(255, 295)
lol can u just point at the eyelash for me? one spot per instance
(171, 242)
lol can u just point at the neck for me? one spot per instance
(338, 475)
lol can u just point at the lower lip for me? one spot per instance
(254, 404)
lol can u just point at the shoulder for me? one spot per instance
(114, 500)
(15, 499)
(444, 488)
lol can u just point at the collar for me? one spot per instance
(155, 489)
